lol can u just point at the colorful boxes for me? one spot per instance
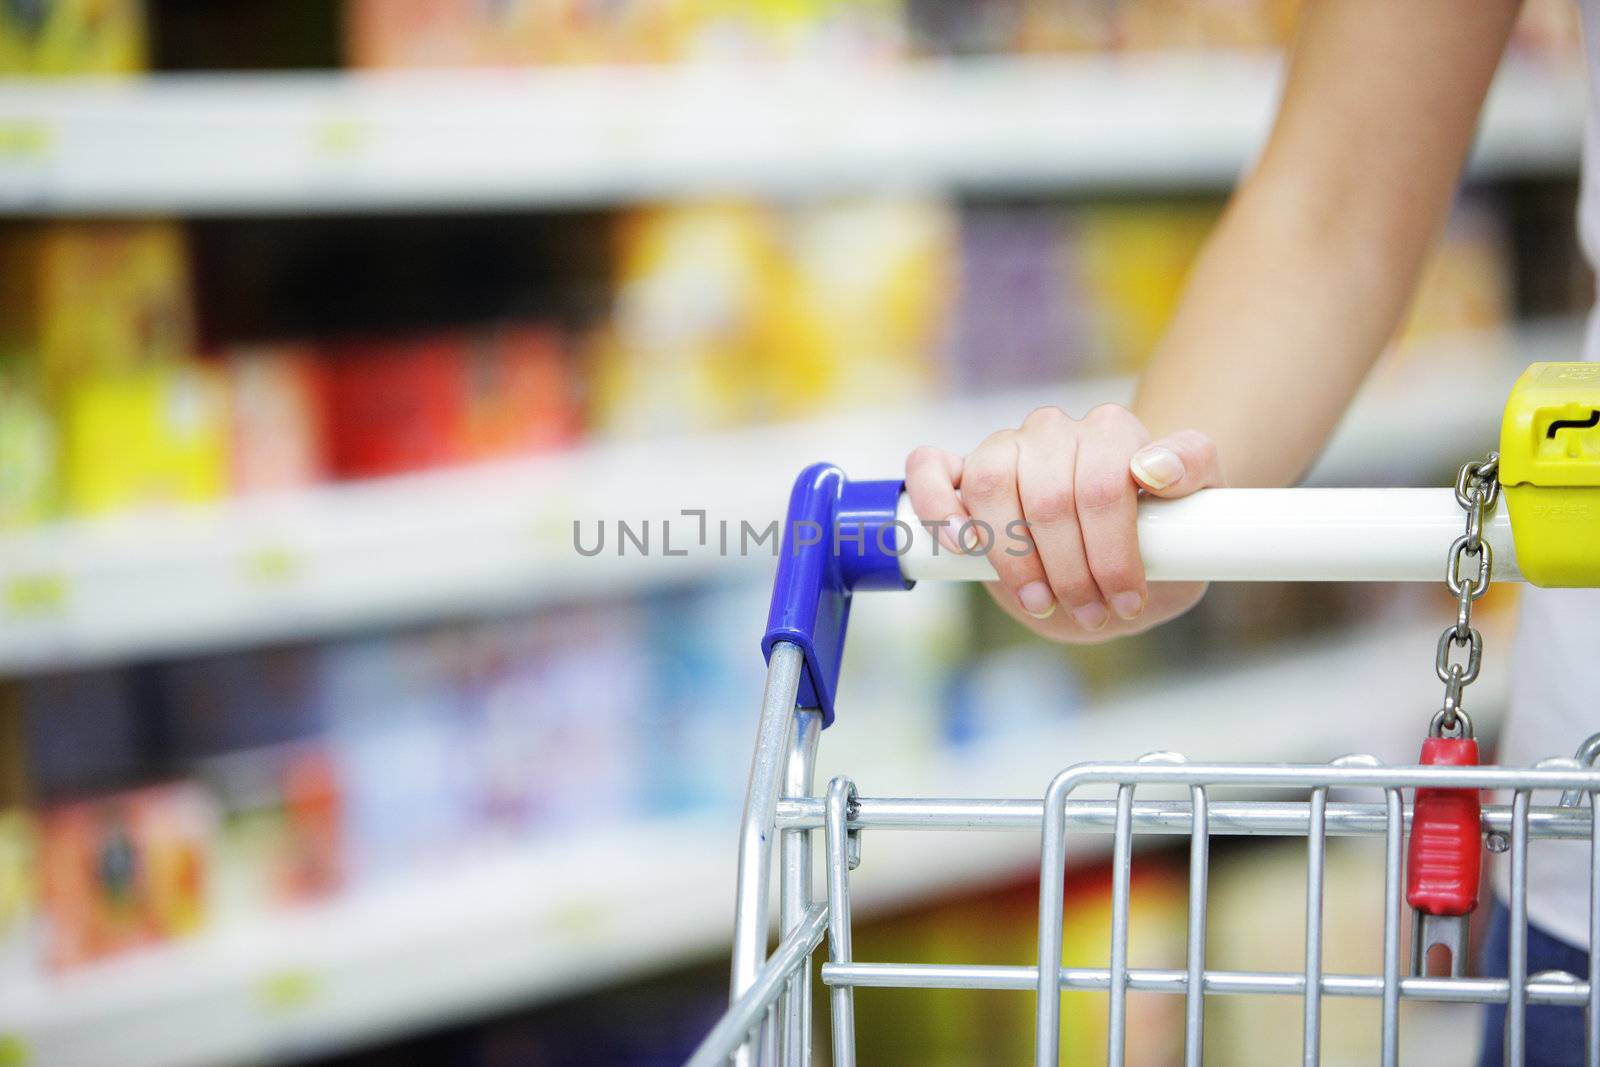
(398, 406)
(125, 871)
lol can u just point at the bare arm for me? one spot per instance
(1315, 260)
(1292, 299)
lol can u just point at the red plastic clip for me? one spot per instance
(1444, 860)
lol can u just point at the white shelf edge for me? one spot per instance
(479, 540)
(504, 932)
(268, 143)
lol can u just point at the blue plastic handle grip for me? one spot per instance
(839, 536)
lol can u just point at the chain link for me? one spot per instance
(1477, 490)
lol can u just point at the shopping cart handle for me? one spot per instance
(1252, 535)
(841, 537)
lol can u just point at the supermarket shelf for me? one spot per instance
(486, 539)
(503, 932)
(197, 144)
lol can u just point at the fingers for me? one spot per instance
(1054, 507)
(989, 489)
(932, 475)
(1047, 453)
(1108, 506)
(1177, 464)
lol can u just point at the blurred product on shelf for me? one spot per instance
(394, 406)
(1466, 283)
(871, 283)
(566, 692)
(695, 728)
(468, 33)
(1021, 316)
(1131, 262)
(1046, 293)
(124, 871)
(521, 393)
(394, 710)
(151, 436)
(282, 840)
(275, 407)
(43, 37)
(19, 894)
(731, 313)
(95, 328)
(27, 450)
(695, 285)
(84, 299)
(406, 405)
(984, 27)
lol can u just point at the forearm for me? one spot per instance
(1314, 263)
(1283, 316)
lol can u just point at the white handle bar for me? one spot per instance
(1275, 535)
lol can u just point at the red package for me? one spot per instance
(393, 407)
(521, 395)
(313, 860)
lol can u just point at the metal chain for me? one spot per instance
(1477, 490)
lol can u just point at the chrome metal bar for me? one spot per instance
(1316, 843)
(1587, 753)
(1517, 967)
(840, 793)
(1227, 818)
(751, 913)
(1052, 889)
(1592, 1023)
(737, 1029)
(795, 887)
(1542, 990)
(1324, 775)
(1121, 874)
(1194, 1007)
(1394, 846)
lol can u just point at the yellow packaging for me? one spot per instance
(148, 436)
(1133, 263)
(1550, 472)
(72, 37)
(94, 298)
(27, 450)
(854, 323)
(692, 283)
(19, 892)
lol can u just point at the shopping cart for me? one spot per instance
(845, 537)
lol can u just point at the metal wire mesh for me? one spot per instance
(770, 1019)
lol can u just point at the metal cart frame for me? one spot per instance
(770, 1017)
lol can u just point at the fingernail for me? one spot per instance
(1037, 600)
(1157, 467)
(1091, 616)
(1127, 605)
(947, 532)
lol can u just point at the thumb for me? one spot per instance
(1177, 465)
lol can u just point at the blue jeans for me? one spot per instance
(1555, 1034)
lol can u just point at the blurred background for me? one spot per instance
(323, 323)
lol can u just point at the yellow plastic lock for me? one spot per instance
(1550, 472)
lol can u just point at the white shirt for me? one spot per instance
(1555, 661)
